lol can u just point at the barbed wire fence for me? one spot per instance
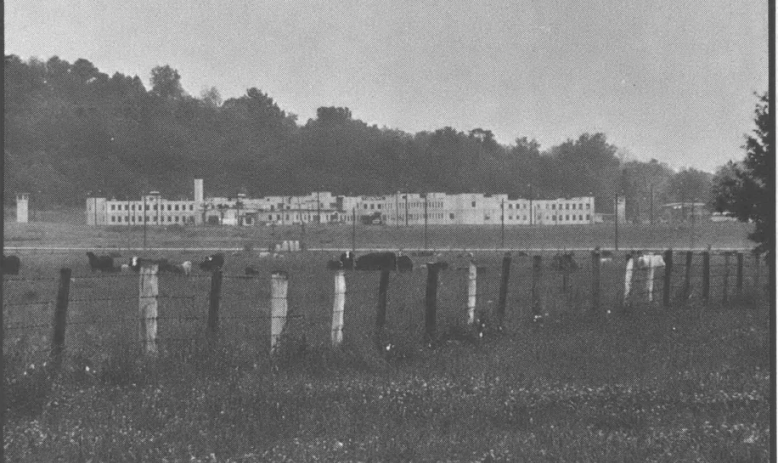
(98, 324)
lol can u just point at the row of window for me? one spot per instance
(170, 207)
(152, 218)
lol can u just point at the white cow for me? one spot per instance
(645, 264)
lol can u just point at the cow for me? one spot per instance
(213, 262)
(11, 265)
(344, 262)
(186, 267)
(251, 271)
(404, 264)
(605, 256)
(564, 262)
(101, 263)
(376, 261)
(645, 264)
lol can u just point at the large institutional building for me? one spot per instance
(324, 207)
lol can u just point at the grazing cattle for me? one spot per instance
(212, 262)
(423, 253)
(345, 262)
(11, 265)
(125, 268)
(186, 267)
(404, 264)
(605, 256)
(376, 261)
(251, 271)
(564, 262)
(645, 264)
(101, 263)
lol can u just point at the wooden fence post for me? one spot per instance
(430, 302)
(739, 280)
(472, 288)
(705, 276)
(725, 283)
(687, 277)
(537, 270)
(60, 319)
(148, 291)
(668, 279)
(279, 286)
(502, 301)
(757, 265)
(338, 307)
(596, 281)
(213, 307)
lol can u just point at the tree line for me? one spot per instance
(72, 130)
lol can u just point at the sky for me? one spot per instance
(669, 80)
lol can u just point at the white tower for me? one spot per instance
(22, 207)
(198, 190)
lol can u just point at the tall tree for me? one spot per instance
(747, 189)
(166, 82)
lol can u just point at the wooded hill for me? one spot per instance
(71, 129)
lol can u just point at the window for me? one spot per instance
(587, 206)
(176, 208)
(473, 203)
(176, 219)
(451, 216)
(567, 206)
(191, 208)
(372, 206)
(588, 217)
(553, 217)
(567, 217)
(580, 217)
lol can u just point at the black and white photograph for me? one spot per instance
(407, 231)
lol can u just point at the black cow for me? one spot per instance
(376, 261)
(11, 265)
(564, 262)
(212, 262)
(345, 262)
(404, 264)
(251, 271)
(101, 263)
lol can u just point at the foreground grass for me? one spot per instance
(688, 385)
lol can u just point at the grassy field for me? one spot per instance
(689, 383)
(67, 231)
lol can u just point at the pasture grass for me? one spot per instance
(680, 386)
(59, 231)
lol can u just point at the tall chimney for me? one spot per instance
(198, 190)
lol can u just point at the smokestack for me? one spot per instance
(198, 190)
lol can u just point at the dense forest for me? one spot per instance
(72, 130)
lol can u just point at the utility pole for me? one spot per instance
(531, 212)
(616, 221)
(425, 220)
(397, 209)
(502, 224)
(651, 190)
(318, 208)
(354, 230)
(144, 222)
(406, 207)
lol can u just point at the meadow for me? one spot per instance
(685, 383)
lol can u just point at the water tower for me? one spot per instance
(22, 207)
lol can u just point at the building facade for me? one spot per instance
(323, 207)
